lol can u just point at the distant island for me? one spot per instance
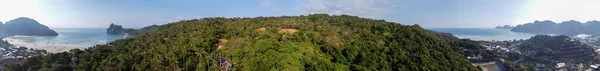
(505, 27)
(117, 29)
(570, 28)
(26, 26)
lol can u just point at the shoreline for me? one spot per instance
(51, 48)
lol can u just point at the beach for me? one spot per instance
(52, 48)
(68, 38)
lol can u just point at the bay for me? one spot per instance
(78, 37)
(487, 34)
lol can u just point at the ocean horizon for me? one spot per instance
(486, 34)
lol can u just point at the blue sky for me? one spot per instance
(427, 13)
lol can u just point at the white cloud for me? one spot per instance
(363, 8)
(276, 10)
(265, 3)
(179, 17)
(12, 9)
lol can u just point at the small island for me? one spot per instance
(130, 33)
(118, 29)
(504, 27)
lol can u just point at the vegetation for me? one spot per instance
(315, 42)
(549, 50)
(470, 47)
(512, 66)
(132, 33)
(142, 31)
(560, 48)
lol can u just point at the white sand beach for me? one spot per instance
(51, 48)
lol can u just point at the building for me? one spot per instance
(560, 65)
(491, 66)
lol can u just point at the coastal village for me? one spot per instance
(570, 57)
(10, 53)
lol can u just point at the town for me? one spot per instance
(10, 53)
(573, 54)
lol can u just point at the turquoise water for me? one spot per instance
(86, 37)
(81, 37)
(484, 33)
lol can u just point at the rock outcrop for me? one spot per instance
(114, 29)
(26, 26)
(504, 27)
(118, 29)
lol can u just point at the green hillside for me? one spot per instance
(315, 42)
(554, 49)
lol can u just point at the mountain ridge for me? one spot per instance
(27, 26)
(570, 27)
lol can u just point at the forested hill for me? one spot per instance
(558, 49)
(570, 28)
(313, 42)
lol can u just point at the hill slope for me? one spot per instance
(313, 42)
(558, 49)
(27, 26)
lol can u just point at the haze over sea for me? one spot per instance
(78, 37)
(484, 33)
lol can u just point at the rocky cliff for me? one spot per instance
(118, 29)
(114, 29)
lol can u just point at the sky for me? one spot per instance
(427, 13)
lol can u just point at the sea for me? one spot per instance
(79, 37)
(87, 37)
(487, 34)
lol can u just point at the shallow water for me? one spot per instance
(80, 37)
